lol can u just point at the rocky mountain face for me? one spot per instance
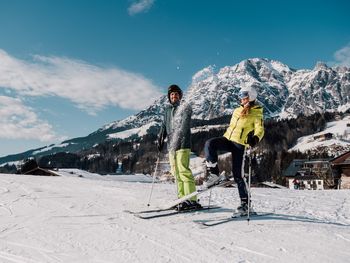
(284, 92)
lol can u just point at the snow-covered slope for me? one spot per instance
(339, 143)
(72, 219)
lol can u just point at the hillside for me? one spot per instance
(338, 142)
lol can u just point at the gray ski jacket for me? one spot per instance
(176, 126)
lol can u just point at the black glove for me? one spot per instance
(160, 144)
(160, 141)
(252, 139)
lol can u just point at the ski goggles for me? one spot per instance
(243, 94)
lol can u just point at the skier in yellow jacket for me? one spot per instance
(246, 129)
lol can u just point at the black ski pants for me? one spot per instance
(222, 144)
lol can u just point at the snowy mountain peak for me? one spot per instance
(321, 66)
(262, 65)
(204, 75)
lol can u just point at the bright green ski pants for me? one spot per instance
(180, 162)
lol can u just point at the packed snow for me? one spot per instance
(77, 219)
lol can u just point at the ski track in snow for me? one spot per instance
(68, 219)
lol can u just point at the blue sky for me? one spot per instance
(69, 67)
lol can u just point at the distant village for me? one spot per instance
(319, 174)
(302, 174)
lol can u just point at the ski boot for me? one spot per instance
(242, 209)
(188, 205)
(194, 205)
(212, 175)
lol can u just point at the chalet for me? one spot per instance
(324, 136)
(341, 170)
(41, 171)
(310, 174)
(306, 182)
(294, 167)
(30, 166)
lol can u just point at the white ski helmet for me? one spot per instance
(248, 92)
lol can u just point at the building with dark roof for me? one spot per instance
(341, 170)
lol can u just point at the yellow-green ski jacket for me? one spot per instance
(240, 126)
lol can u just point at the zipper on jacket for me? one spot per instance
(241, 133)
(234, 127)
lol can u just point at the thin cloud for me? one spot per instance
(342, 56)
(141, 6)
(18, 121)
(90, 87)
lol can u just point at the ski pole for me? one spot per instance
(153, 179)
(176, 181)
(249, 180)
(209, 202)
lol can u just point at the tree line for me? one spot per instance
(139, 155)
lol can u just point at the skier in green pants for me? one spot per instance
(176, 126)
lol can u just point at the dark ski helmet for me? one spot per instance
(174, 88)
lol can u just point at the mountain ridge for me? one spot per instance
(283, 91)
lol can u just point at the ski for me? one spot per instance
(148, 211)
(171, 205)
(155, 210)
(234, 217)
(174, 203)
(165, 213)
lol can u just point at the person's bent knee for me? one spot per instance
(209, 143)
